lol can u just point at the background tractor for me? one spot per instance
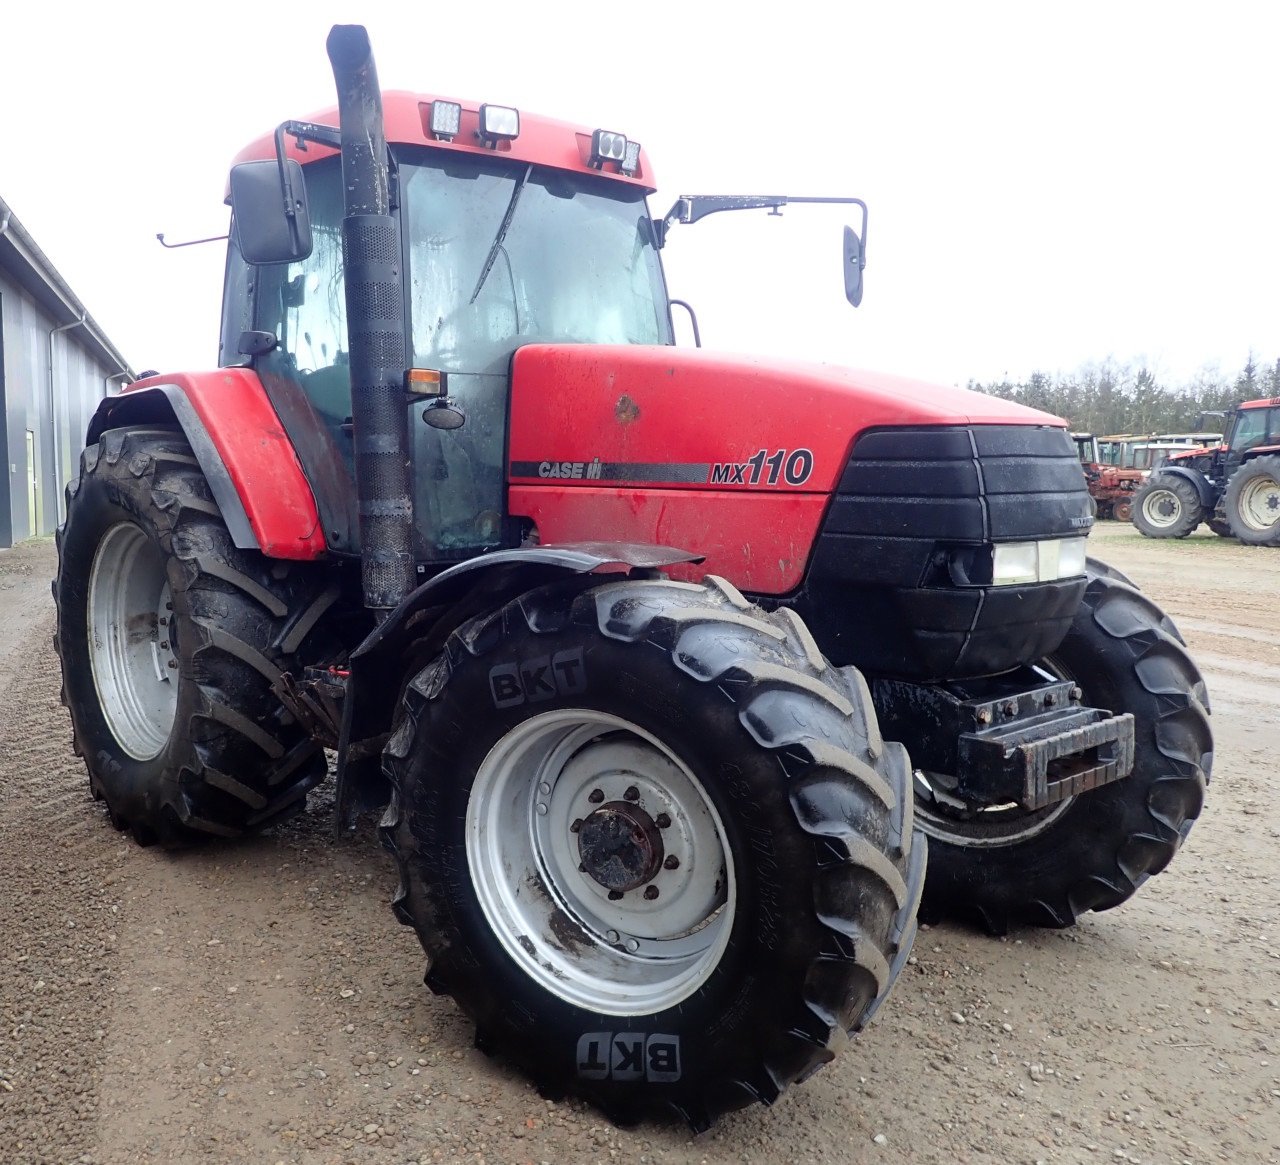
(1110, 487)
(615, 639)
(1233, 487)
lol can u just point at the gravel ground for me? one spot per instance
(256, 1002)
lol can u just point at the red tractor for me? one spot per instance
(1110, 487)
(1233, 487)
(618, 650)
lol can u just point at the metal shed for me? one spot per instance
(55, 366)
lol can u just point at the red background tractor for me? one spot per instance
(1233, 487)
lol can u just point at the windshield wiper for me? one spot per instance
(502, 233)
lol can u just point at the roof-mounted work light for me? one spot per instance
(498, 123)
(630, 159)
(446, 120)
(607, 147)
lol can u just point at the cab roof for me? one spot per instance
(407, 120)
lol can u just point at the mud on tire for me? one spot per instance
(812, 846)
(204, 747)
(1093, 851)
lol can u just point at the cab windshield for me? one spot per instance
(576, 262)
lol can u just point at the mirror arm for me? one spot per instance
(190, 242)
(302, 132)
(689, 208)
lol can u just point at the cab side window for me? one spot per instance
(304, 304)
(1251, 429)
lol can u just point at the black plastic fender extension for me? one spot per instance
(411, 634)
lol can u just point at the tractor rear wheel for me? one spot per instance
(1167, 507)
(1252, 502)
(652, 843)
(1092, 851)
(170, 638)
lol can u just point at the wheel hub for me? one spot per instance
(620, 846)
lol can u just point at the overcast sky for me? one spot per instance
(1048, 184)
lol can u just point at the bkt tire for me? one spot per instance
(170, 638)
(1252, 502)
(652, 843)
(1092, 851)
(1166, 506)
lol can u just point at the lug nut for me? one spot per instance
(984, 715)
(632, 794)
(662, 821)
(173, 663)
(650, 892)
(595, 796)
(577, 825)
(614, 895)
(1009, 708)
(1076, 693)
(672, 863)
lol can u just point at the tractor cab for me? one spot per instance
(1256, 424)
(514, 230)
(500, 248)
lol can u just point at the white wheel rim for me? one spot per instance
(1162, 507)
(1259, 504)
(130, 644)
(636, 954)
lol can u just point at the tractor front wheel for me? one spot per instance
(1252, 502)
(1122, 511)
(652, 843)
(170, 639)
(1166, 506)
(1092, 851)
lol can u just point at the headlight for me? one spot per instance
(1015, 562)
(1050, 559)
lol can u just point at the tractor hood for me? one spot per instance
(663, 416)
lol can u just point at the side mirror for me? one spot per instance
(269, 206)
(855, 259)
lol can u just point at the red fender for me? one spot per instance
(247, 458)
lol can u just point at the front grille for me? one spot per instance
(987, 483)
(877, 588)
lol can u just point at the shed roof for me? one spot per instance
(31, 269)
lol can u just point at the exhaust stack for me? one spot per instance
(375, 327)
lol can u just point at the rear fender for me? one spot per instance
(415, 632)
(247, 459)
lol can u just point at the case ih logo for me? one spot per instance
(629, 1056)
(580, 469)
(534, 680)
